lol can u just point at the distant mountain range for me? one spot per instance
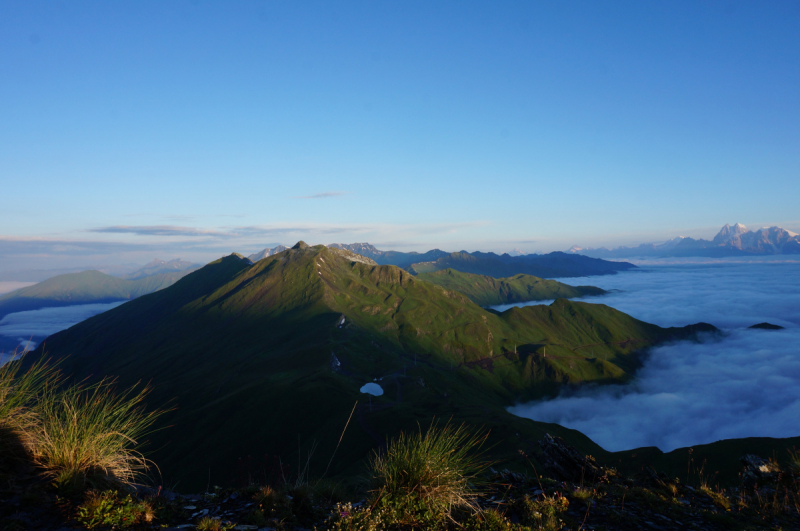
(157, 267)
(397, 258)
(734, 240)
(550, 265)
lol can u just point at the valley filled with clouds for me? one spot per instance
(744, 383)
(24, 330)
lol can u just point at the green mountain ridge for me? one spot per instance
(556, 264)
(488, 291)
(267, 358)
(551, 265)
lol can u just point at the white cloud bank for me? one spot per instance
(47, 321)
(745, 384)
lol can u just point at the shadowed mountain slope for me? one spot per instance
(488, 291)
(260, 356)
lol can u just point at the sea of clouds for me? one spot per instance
(743, 384)
(28, 328)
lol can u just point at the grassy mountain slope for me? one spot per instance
(487, 291)
(499, 266)
(82, 288)
(259, 362)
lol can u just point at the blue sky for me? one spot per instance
(130, 130)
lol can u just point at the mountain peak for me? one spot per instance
(728, 233)
(300, 245)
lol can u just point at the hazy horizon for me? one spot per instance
(90, 255)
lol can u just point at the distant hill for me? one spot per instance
(267, 358)
(157, 267)
(85, 287)
(550, 265)
(488, 291)
(729, 241)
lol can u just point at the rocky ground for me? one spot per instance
(572, 492)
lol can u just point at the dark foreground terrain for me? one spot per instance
(569, 492)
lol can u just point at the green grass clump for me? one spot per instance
(432, 472)
(86, 435)
(108, 509)
(584, 495)
(418, 482)
(542, 513)
(213, 524)
(491, 520)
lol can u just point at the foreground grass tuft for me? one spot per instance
(418, 481)
(87, 434)
(19, 393)
(434, 470)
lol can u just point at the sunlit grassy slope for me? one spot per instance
(487, 291)
(248, 352)
(82, 288)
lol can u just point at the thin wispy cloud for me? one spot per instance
(161, 230)
(138, 244)
(321, 195)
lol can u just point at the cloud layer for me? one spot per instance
(322, 195)
(42, 323)
(743, 385)
(139, 244)
(723, 294)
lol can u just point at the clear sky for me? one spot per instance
(130, 130)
